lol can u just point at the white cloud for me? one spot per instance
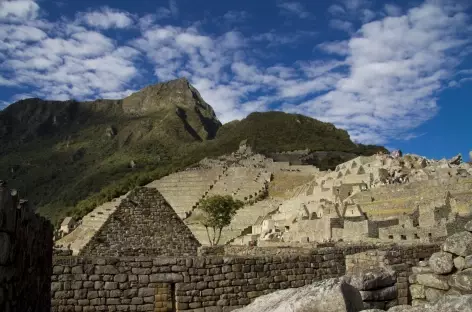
(236, 16)
(341, 25)
(379, 83)
(397, 65)
(336, 10)
(295, 8)
(274, 38)
(393, 10)
(20, 33)
(64, 60)
(174, 9)
(335, 47)
(18, 10)
(106, 18)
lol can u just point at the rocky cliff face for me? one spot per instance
(55, 151)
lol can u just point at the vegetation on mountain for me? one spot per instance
(218, 211)
(68, 157)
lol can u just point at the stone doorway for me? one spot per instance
(165, 298)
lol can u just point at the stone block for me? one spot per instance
(110, 285)
(417, 291)
(106, 269)
(77, 270)
(384, 294)
(113, 301)
(459, 263)
(433, 281)
(145, 292)
(441, 262)
(462, 280)
(433, 294)
(459, 244)
(120, 278)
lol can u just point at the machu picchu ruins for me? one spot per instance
(381, 232)
(379, 198)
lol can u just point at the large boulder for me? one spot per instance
(332, 295)
(441, 262)
(462, 280)
(433, 281)
(371, 279)
(459, 244)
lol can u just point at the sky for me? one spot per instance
(394, 73)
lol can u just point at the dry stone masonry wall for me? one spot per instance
(448, 272)
(25, 256)
(185, 284)
(143, 224)
(398, 259)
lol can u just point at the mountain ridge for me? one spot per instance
(74, 155)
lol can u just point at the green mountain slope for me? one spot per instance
(68, 157)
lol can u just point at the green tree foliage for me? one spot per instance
(218, 211)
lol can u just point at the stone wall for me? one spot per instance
(448, 272)
(200, 284)
(399, 259)
(25, 256)
(144, 224)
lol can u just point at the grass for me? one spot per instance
(285, 182)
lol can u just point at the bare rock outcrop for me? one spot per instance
(332, 295)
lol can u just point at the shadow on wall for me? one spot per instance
(25, 255)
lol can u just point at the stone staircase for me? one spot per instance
(91, 223)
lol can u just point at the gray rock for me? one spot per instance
(433, 294)
(374, 305)
(332, 295)
(417, 291)
(383, 294)
(462, 280)
(433, 281)
(468, 226)
(406, 308)
(371, 279)
(456, 160)
(459, 263)
(468, 262)
(452, 304)
(459, 244)
(421, 270)
(419, 302)
(441, 262)
(373, 310)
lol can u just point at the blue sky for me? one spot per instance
(396, 73)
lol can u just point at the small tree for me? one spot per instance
(218, 211)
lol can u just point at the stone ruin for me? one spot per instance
(378, 198)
